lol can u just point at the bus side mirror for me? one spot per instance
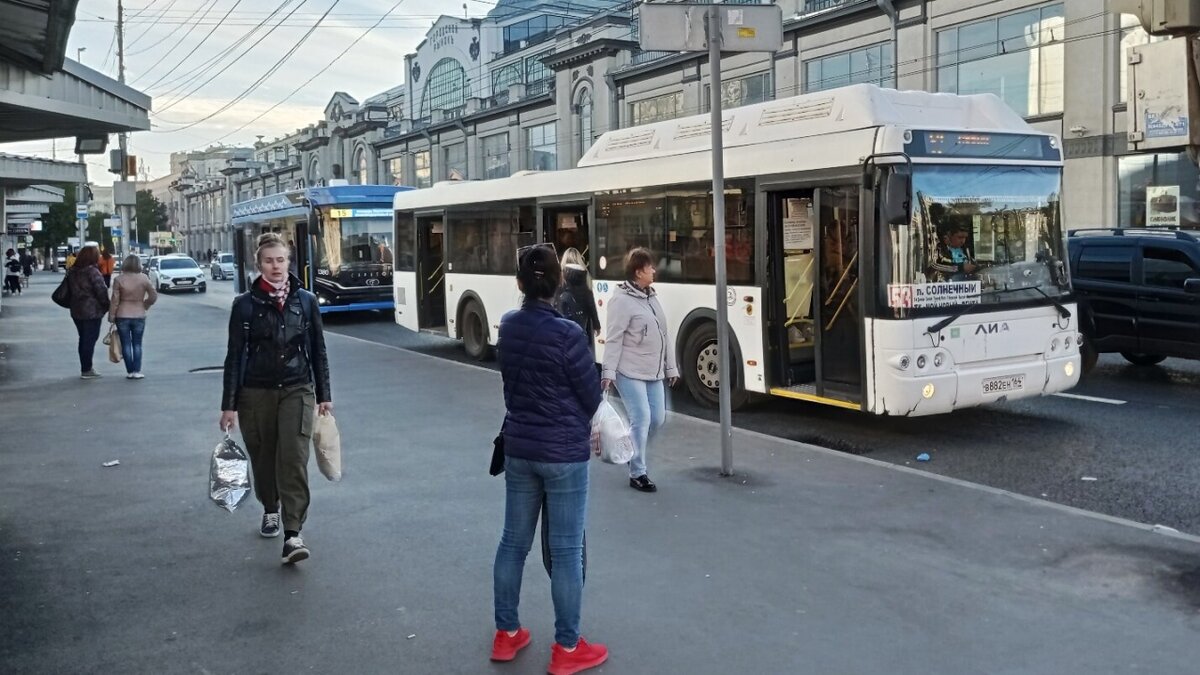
(895, 195)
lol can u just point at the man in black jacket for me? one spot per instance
(276, 373)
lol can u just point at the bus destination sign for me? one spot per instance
(977, 145)
(360, 213)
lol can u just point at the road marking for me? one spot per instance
(1093, 399)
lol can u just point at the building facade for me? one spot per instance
(535, 82)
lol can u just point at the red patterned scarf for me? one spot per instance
(278, 293)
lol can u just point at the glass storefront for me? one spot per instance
(1159, 189)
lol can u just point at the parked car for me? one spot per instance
(1139, 293)
(222, 266)
(175, 273)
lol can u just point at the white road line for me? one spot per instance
(1093, 399)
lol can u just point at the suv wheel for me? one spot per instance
(1139, 359)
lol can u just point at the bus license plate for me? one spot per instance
(996, 385)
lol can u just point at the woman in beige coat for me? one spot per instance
(132, 295)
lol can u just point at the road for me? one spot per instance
(1123, 443)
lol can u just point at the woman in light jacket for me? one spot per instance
(132, 295)
(638, 357)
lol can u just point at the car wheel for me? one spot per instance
(203, 289)
(701, 370)
(1088, 354)
(474, 332)
(1139, 359)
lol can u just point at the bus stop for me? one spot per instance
(45, 95)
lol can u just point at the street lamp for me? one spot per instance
(79, 54)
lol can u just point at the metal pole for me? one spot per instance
(718, 188)
(123, 139)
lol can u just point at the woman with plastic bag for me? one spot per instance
(551, 391)
(276, 373)
(638, 357)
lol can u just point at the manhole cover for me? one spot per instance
(208, 369)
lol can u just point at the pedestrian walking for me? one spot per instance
(276, 373)
(638, 356)
(132, 295)
(28, 261)
(12, 272)
(575, 300)
(106, 265)
(89, 304)
(551, 391)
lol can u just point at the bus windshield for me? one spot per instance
(979, 235)
(354, 237)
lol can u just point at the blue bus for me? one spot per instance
(341, 239)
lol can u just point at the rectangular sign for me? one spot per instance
(360, 213)
(942, 294)
(160, 239)
(112, 222)
(797, 224)
(116, 231)
(18, 229)
(682, 27)
(1162, 205)
(81, 211)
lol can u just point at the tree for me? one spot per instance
(151, 215)
(59, 223)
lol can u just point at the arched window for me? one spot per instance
(583, 120)
(314, 171)
(445, 87)
(360, 166)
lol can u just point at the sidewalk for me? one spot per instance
(808, 562)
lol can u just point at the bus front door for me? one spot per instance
(431, 273)
(840, 313)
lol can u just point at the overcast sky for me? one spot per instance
(160, 36)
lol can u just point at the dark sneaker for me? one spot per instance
(89, 375)
(270, 525)
(505, 647)
(294, 550)
(643, 484)
(563, 662)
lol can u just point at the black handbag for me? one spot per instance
(497, 466)
(62, 295)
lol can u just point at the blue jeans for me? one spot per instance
(564, 486)
(646, 404)
(89, 332)
(131, 331)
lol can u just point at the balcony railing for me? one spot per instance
(646, 57)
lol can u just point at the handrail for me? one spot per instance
(845, 298)
(845, 273)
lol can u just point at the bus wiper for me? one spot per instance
(939, 326)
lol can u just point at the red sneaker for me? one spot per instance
(505, 648)
(563, 662)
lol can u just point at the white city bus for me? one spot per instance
(836, 204)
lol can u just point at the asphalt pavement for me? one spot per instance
(809, 560)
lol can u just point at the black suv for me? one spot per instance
(1139, 293)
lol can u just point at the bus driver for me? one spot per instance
(954, 261)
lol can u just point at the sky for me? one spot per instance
(170, 46)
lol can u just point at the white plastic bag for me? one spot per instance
(327, 441)
(229, 475)
(611, 434)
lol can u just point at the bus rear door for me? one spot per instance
(431, 272)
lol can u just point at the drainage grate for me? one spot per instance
(208, 369)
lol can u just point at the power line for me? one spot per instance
(147, 31)
(227, 66)
(198, 45)
(177, 83)
(258, 82)
(207, 3)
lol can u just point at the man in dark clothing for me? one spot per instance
(953, 261)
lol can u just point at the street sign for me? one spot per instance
(715, 28)
(81, 211)
(683, 27)
(116, 231)
(112, 222)
(160, 239)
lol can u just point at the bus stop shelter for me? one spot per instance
(45, 95)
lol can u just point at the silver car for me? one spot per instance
(222, 266)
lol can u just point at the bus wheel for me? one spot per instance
(1139, 359)
(474, 332)
(701, 369)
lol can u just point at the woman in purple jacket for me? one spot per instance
(551, 392)
(89, 304)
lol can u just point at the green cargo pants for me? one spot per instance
(277, 426)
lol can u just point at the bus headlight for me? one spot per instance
(322, 300)
(928, 391)
(921, 362)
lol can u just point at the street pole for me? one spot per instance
(718, 187)
(127, 235)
